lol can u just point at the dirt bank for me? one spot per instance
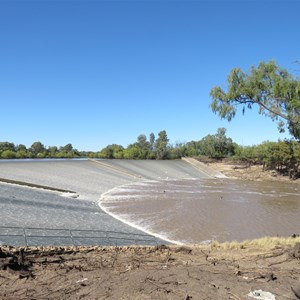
(198, 272)
(245, 172)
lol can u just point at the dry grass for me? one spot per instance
(262, 243)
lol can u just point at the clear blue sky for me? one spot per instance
(93, 73)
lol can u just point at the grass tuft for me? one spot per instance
(261, 243)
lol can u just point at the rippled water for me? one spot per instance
(193, 211)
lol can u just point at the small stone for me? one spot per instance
(296, 251)
(296, 291)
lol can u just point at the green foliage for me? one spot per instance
(38, 150)
(7, 146)
(66, 148)
(139, 150)
(217, 146)
(111, 151)
(161, 145)
(22, 154)
(272, 88)
(152, 141)
(52, 152)
(21, 147)
(178, 151)
(37, 147)
(283, 156)
(133, 153)
(212, 146)
(7, 154)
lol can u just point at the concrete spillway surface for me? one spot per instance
(40, 217)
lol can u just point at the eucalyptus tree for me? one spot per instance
(217, 145)
(273, 89)
(161, 145)
(37, 148)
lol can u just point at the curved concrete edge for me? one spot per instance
(204, 168)
(131, 224)
(28, 184)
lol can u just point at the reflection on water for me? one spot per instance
(193, 211)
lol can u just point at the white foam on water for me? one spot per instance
(178, 196)
(124, 218)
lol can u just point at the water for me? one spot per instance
(193, 211)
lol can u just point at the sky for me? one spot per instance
(94, 73)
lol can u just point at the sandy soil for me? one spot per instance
(243, 172)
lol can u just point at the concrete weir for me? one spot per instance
(34, 209)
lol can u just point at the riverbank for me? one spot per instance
(245, 172)
(217, 271)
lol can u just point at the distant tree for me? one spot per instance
(52, 151)
(66, 148)
(7, 154)
(36, 148)
(21, 154)
(142, 142)
(272, 88)
(143, 146)
(7, 146)
(296, 159)
(151, 154)
(21, 147)
(111, 151)
(217, 145)
(133, 152)
(161, 145)
(178, 151)
(152, 140)
(193, 148)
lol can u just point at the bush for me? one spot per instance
(7, 154)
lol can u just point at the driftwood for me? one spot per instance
(15, 263)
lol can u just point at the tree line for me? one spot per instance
(9, 150)
(283, 155)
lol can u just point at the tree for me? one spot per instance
(7, 154)
(66, 148)
(151, 154)
(111, 151)
(132, 152)
(161, 145)
(217, 145)
(37, 147)
(152, 140)
(179, 150)
(272, 88)
(7, 146)
(21, 147)
(143, 145)
(52, 151)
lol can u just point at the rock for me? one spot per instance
(296, 251)
(296, 291)
(261, 295)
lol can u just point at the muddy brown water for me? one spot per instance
(195, 211)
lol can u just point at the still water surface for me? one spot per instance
(193, 211)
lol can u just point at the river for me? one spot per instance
(195, 211)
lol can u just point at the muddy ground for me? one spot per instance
(161, 272)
